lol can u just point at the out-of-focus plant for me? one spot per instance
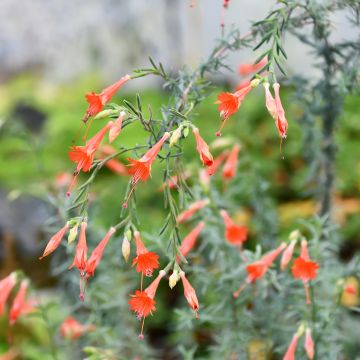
(246, 307)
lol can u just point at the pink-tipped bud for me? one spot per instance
(287, 255)
(309, 344)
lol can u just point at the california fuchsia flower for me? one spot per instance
(190, 239)
(83, 156)
(97, 253)
(193, 208)
(141, 169)
(97, 101)
(229, 103)
(143, 303)
(146, 261)
(287, 254)
(190, 294)
(116, 127)
(248, 69)
(6, 285)
(309, 344)
(55, 241)
(230, 166)
(305, 269)
(258, 269)
(20, 305)
(71, 329)
(218, 161)
(203, 149)
(290, 353)
(234, 234)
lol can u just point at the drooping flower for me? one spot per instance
(191, 211)
(309, 344)
(116, 127)
(146, 261)
(281, 122)
(290, 353)
(229, 103)
(97, 101)
(190, 294)
(203, 149)
(80, 259)
(6, 285)
(141, 169)
(55, 241)
(71, 329)
(248, 69)
(83, 156)
(20, 305)
(287, 255)
(234, 234)
(258, 269)
(230, 166)
(190, 239)
(97, 253)
(143, 303)
(305, 269)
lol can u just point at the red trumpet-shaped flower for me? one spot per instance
(290, 353)
(191, 211)
(6, 285)
(234, 234)
(229, 103)
(55, 241)
(287, 254)
(190, 239)
(309, 344)
(230, 166)
(141, 169)
(190, 294)
(143, 303)
(71, 329)
(258, 269)
(97, 101)
(146, 261)
(20, 305)
(97, 254)
(305, 269)
(203, 149)
(83, 156)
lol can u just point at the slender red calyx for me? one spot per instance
(191, 211)
(230, 166)
(203, 149)
(55, 241)
(6, 285)
(190, 239)
(190, 294)
(290, 353)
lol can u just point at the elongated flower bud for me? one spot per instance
(174, 278)
(309, 344)
(55, 241)
(125, 248)
(287, 255)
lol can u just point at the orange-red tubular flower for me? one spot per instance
(20, 306)
(80, 259)
(116, 127)
(190, 294)
(229, 103)
(141, 169)
(211, 170)
(55, 241)
(71, 329)
(290, 353)
(143, 303)
(191, 211)
(146, 261)
(309, 344)
(203, 149)
(6, 285)
(305, 269)
(287, 255)
(230, 166)
(83, 156)
(248, 69)
(258, 269)
(281, 122)
(190, 239)
(234, 234)
(97, 101)
(97, 254)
